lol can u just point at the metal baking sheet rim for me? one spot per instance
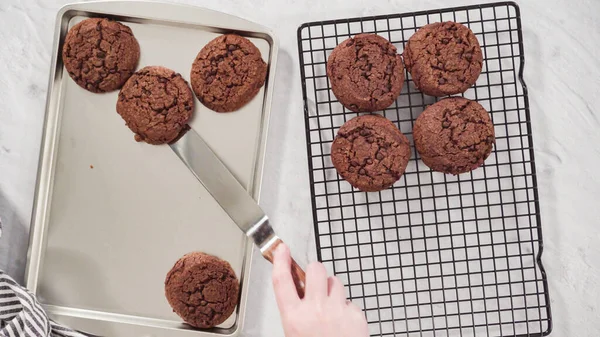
(144, 10)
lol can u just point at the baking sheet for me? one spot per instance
(112, 215)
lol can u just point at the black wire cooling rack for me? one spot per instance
(435, 255)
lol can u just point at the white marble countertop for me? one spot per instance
(563, 75)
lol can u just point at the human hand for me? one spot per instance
(324, 310)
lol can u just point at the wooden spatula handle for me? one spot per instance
(297, 272)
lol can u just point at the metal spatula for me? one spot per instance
(232, 197)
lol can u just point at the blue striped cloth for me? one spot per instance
(21, 315)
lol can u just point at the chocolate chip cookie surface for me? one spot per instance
(100, 54)
(156, 104)
(454, 135)
(443, 58)
(202, 289)
(366, 73)
(370, 153)
(227, 73)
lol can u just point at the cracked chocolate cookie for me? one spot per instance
(227, 73)
(366, 73)
(370, 153)
(156, 104)
(202, 289)
(100, 54)
(454, 135)
(443, 58)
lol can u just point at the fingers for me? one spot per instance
(316, 281)
(360, 320)
(283, 284)
(354, 307)
(335, 289)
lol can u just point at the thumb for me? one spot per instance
(283, 283)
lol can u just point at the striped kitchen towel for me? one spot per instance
(21, 315)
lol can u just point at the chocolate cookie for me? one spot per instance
(443, 58)
(366, 73)
(156, 104)
(370, 152)
(202, 289)
(227, 73)
(100, 54)
(454, 135)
